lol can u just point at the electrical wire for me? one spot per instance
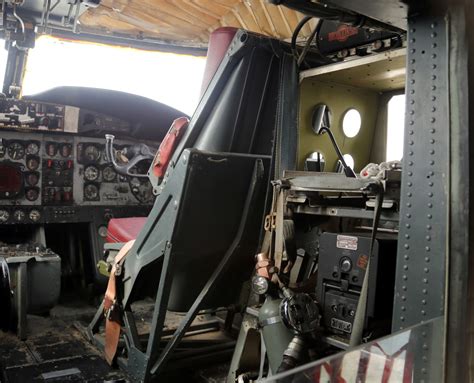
(314, 34)
(296, 32)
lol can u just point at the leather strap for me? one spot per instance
(279, 237)
(112, 317)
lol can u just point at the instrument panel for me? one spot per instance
(50, 177)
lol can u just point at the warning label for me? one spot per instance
(346, 242)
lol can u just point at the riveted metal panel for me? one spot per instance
(420, 275)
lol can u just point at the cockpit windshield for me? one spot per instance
(173, 79)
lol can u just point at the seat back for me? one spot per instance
(195, 217)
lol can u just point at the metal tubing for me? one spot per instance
(218, 272)
(22, 299)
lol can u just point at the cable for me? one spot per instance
(314, 34)
(296, 32)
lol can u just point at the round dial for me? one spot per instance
(32, 148)
(35, 215)
(102, 231)
(91, 192)
(32, 194)
(51, 149)
(16, 151)
(92, 153)
(4, 215)
(32, 163)
(91, 173)
(32, 179)
(108, 173)
(19, 215)
(65, 150)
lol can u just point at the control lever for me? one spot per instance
(139, 152)
(321, 124)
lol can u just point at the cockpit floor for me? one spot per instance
(50, 352)
(56, 350)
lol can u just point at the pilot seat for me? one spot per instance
(126, 229)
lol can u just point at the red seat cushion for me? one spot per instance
(124, 229)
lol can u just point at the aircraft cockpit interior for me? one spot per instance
(291, 226)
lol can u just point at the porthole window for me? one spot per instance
(315, 162)
(317, 156)
(349, 160)
(351, 123)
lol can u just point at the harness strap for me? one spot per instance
(111, 308)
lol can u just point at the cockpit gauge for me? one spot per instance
(32, 179)
(32, 194)
(91, 173)
(91, 153)
(32, 163)
(91, 192)
(32, 148)
(4, 215)
(102, 231)
(51, 149)
(34, 215)
(65, 150)
(108, 174)
(16, 151)
(19, 215)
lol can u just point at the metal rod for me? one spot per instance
(22, 299)
(48, 12)
(43, 12)
(55, 5)
(218, 272)
(76, 17)
(22, 24)
(161, 303)
(67, 19)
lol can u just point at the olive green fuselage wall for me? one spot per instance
(339, 98)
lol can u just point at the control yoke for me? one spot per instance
(129, 157)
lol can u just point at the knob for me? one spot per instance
(346, 265)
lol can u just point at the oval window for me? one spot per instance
(315, 162)
(351, 123)
(349, 160)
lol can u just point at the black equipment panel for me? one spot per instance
(67, 172)
(342, 263)
(336, 37)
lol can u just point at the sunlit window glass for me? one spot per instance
(169, 78)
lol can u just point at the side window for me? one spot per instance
(395, 127)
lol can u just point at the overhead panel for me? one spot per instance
(189, 22)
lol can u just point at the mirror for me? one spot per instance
(321, 118)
